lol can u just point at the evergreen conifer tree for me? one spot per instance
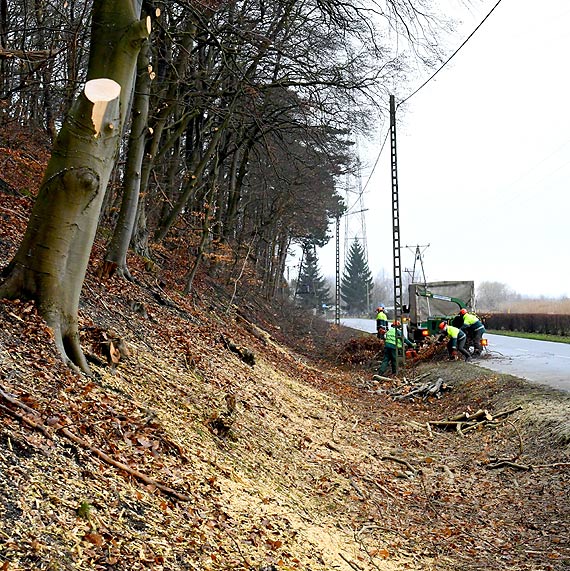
(312, 291)
(357, 283)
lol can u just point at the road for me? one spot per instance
(540, 362)
(537, 361)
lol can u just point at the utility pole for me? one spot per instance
(346, 241)
(400, 351)
(299, 274)
(418, 257)
(337, 276)
(356, 230)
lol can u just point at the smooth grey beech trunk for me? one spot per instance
(117, 252)
(50, 264)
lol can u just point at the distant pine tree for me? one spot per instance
(312, 291)
(357, 283)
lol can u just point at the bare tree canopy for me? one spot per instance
(232, 143)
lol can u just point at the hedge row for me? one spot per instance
(547, 323)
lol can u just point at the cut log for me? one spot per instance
(466, 422)
(425, 390)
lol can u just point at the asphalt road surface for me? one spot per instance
(541, 362)
(538, 361)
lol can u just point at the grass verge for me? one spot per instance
(537, 336)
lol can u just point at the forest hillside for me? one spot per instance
(220, 432)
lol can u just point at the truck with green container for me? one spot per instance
(431, 303)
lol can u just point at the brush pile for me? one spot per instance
(424, 390)
(361, 350)
(465, 422)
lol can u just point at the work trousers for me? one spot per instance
(460, 346)
(390, 357)
(477, 335)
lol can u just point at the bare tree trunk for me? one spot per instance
(50, 264)
(141, 233)
(116, 258)
(206, 227)
(278, 276)
(4, 66)
(209, 152)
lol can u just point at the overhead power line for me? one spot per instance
(451, 56)
(371, 173)
(423, 85)
(376, 161)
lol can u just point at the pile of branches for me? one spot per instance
(465, 422)
(434, 351)
(361, 350)
(425, 390)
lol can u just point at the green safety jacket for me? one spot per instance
(471, 321)
(391, 339)
(382, 319)
(454, 333)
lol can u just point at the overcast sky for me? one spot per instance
(483, 157)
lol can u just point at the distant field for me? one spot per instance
(561, 306)
(538, 336)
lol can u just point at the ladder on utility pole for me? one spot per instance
(398, 309)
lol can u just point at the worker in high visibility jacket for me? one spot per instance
(456, 341)
(393, 336)
(473, 326)
(381, 322)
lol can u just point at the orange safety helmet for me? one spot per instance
(442, 325)
(396, 324)
(462, 311)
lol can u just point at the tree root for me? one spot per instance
(506, 463)
(400, 461)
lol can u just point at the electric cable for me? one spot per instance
(451, 56)
(370, 175)
(421, 87)
(376, 161)
(360, 194)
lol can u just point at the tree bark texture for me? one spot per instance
(118, 248)
(50, 264)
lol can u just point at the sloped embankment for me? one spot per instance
(187, 456)
(184, 456)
